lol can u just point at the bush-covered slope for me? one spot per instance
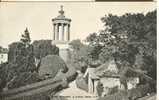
(51, 64)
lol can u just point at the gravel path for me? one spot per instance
(74, 93)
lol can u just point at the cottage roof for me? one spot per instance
(94, 76)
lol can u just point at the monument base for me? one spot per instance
(64, 49)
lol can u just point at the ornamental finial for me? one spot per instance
(61, 7)
(61, 11)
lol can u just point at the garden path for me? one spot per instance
(74, 93)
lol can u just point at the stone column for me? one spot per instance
(57, 32)
(54, 32)
(62, 31)
(68, 32)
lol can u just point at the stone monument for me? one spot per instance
(61, 34)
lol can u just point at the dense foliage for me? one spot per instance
(20, 63)
(22, 66)
(25, 38)
(3, 75)
(83, 55)
(132, 94)
(130, 39)
(21, 56)
(51, 65)
(43, 48)
(24, 79)
(71, 73)
(79, 55)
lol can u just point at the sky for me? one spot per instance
(16, 16)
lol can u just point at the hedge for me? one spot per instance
(51, 64)
(132, 94)
(139, 92)
(121, 95)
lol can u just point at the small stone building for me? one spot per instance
(108, 74)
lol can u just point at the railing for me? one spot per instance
(31, 89)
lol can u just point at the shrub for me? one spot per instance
(132, 94)
(72, 77)
(24, 79)
(71, 74)
(51, 64)
(35, 97)
(43, 48)
(138, 92)
(40, 96)
(3, 75)
(121, 95)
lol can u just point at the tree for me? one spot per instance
(93, 39)
(76, 44)
(3, 75)
(43, 48)
(16, 49)
(26, 37)
(85, 54)
(131, 33)
(80, 55)
(20, 61)
(95, 44)
(125, 37)
(139, 29)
